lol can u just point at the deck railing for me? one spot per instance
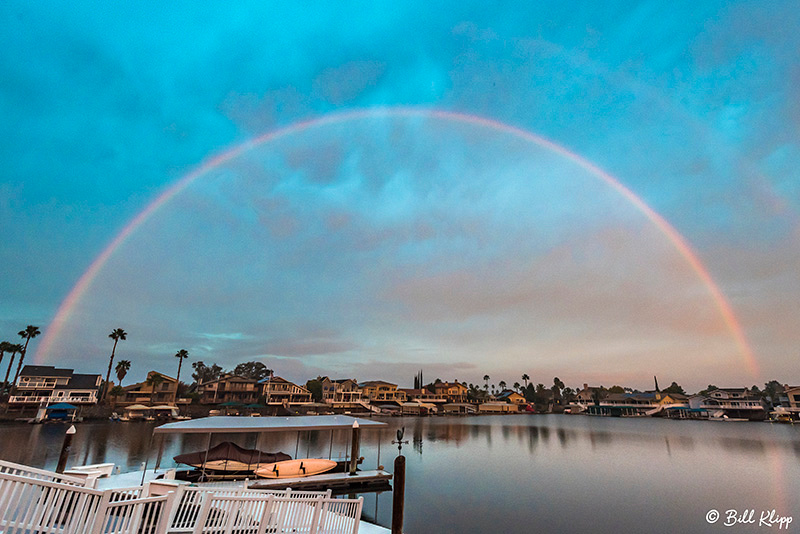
(190, 499)
(35, 501)
(274, 514)
(31, 505)
(10, 468)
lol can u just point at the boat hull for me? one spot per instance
(296, 468)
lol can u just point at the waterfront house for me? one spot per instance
(279, 391)
(512, 397)
(341, 390)
(497, 407)
(423, 395)
(45, 384)
(143, 393)
(380, 391)
(730, 403)
(229, 388)
(792, 394)
(589, 394)
(453, 392)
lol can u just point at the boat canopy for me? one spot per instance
(62, 406)
(231, 452)
(232, 424)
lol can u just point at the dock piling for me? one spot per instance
(62, 458)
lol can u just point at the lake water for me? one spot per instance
(525, 473)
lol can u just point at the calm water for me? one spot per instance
(520, 473)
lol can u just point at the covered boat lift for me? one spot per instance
(261, 425)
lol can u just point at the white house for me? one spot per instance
(46, 384)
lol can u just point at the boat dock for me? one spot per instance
(338, 483)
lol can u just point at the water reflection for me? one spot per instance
(509, 473)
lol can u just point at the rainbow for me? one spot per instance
(681, 245)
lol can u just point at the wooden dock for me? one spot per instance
(338, 483)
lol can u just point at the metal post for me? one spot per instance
(62, 458)
(205, 459)
(354, 455)
(398, 494)
(160, 453)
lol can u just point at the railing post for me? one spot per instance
(167, 512)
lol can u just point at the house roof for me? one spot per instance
(45, 370)
(506, 394)
(81, 381)
(376, 383)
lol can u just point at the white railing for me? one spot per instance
(29, 505)
(26, 399)
(147, 515)
(10, 468)
(34, 501)
(261, 514)
(190, 499)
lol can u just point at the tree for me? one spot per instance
(486, 379)
(516, 386)
(254, 370)
(115, 392)
(117, 334)
(5, 346)
(122, 368)
(674, 388)
(14, 350)
(203, 373)
(616, 389)
(556, 388)
(29, 333)
(525, 379)
(772, 391)
(181, 355)
(154, 380)
(315, 387)
(502, 385)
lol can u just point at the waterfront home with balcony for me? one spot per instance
(229, 388)
(143, 393)
(730, 403)
(340, 391)
(45, 384)
(279, 391)
(453, 392)
(377, 391)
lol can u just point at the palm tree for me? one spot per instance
(181, 355)
(116, 334)
(27, 334)
(486, 379)
(122, 368)
(5, 346)
(502, 385)
(525, 379)
(14, 350)
(516, 386)
(154, 380)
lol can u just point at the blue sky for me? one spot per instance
(381, 246)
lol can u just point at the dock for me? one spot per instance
(338, 483)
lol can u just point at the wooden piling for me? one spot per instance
(67, 445)
(355, 447)
(398, 494)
